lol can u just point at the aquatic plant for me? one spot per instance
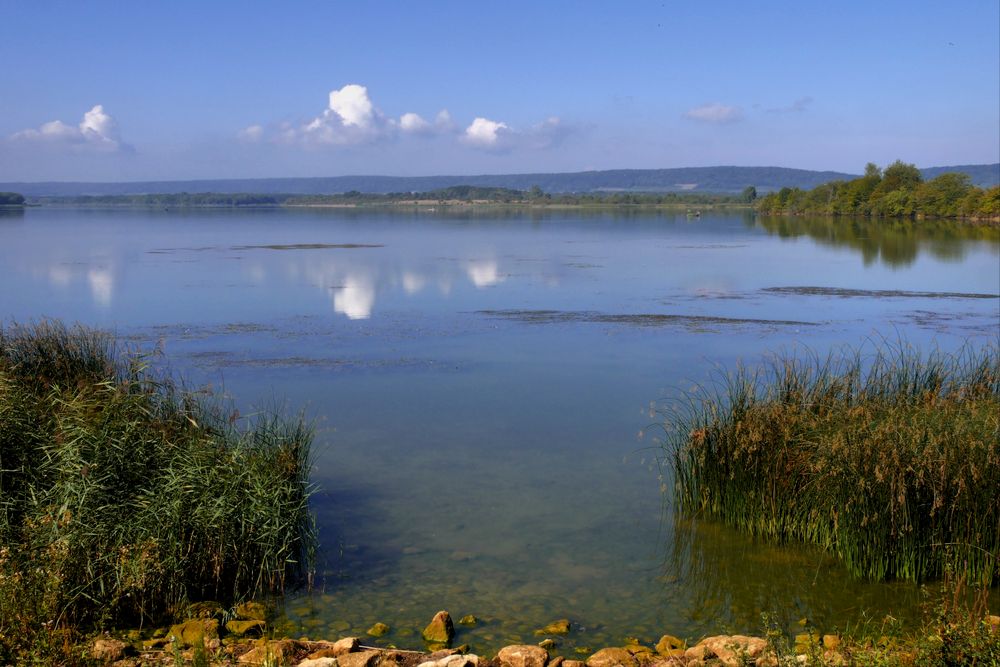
(122, 496)
(890, 461)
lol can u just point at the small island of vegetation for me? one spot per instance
(898, 191)
(11, 199)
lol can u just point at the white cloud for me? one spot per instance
(350, 118)
(414, 124)
(486, 133)
(716, 112)
(97, 131)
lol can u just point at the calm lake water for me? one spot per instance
(480, 382)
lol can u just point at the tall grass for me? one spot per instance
(891, 461)
(122, 497)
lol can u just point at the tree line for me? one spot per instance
(11, 199)
(898, 191)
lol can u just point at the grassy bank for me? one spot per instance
(890, 461)
(122, 497)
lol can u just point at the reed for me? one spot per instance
(889, 460)
(122, 497)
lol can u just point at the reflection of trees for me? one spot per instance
(13, 213)
(720, 578)
(893, 242)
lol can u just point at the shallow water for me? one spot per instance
(480, 381)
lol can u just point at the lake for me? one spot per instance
(485, 386)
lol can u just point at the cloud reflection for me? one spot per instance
(102, 284)
(356, 298)
(484, 273)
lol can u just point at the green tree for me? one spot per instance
(749, 194)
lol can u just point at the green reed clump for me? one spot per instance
(122, 496)
(891, 462)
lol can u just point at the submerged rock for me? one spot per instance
(560, 627)
(440, 630)
(378, 630)
(468, 620)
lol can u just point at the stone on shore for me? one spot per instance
(612, 657)
(731, 650)
(440, 630)
(522, 655)
(250, 611)
(455, 660)
(196, 631)
(246, 628)
(108, 650)
(668, 644)
(275, 652)
(335, 649)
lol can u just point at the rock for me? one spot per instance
(318, 662)
(669, 643)
(731, 650)
(573, 663)
(639, 650)
(831, 642)
(337, 648)
(250, 611)
(993, 622)
(805, 641)
(547, 644)
(195, 632)
(833, 658)
(440, 630)
(275, 652)
(560, 627)
(359, 659)
(108, 650)
(698, 652)
(456, 660)
(523, 655)
(378, 630)
(155, 643)
(245, 628)
(469, 620)
(556, 661)
(612, 657)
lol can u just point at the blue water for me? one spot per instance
(482, 385)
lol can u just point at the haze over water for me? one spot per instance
(479, 381)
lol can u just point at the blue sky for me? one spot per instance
(177, 90)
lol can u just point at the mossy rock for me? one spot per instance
(196, 631)
(560, 627)
(240, 628)
(667, 644)
(469, 621)
(378, 630)
(250, 611)
(440, 630)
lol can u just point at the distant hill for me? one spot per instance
(687, 179)
(982, 175)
